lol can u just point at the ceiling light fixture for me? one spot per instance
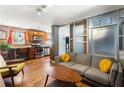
(38, 11)
(41, 9)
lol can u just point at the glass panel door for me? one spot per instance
(104, 41)
(78, 38)
(64, 32)
(121, 38)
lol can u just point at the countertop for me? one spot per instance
(20, 46)
(27, 46)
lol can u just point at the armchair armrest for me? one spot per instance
(10, 69)
(119, 79)
(11, 66)
(113, 74)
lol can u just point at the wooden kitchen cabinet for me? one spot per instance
(31, 53)
(33, 32)
(30, 35)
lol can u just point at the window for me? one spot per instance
(104, 41)
(78, 38)
(121, 38)
(64, 33)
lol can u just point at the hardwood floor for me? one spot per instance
(35, 74)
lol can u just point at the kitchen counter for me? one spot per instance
(23, 52)
(26, 46)
(20, 46)
(45, 46)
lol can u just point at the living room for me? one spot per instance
(41, 48)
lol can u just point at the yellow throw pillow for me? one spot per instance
(105, 65)
(65, 57)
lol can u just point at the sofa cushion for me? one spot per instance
(83, 59)
(96, 75)
(80, 68)
(67, 64)
(97, 59)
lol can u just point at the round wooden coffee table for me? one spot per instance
(64, 74)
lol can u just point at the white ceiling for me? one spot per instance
(26, 15)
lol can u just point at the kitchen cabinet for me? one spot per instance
(31, 53)
(39, 33)
(30, 35)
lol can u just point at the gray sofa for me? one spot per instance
(88, 67)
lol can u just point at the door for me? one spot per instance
(103, 40)
(64, 33)
(78, 39)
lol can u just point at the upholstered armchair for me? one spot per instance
(10, 70)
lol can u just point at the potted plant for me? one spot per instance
(4, 47)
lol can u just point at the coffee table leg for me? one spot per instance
(46, 80)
